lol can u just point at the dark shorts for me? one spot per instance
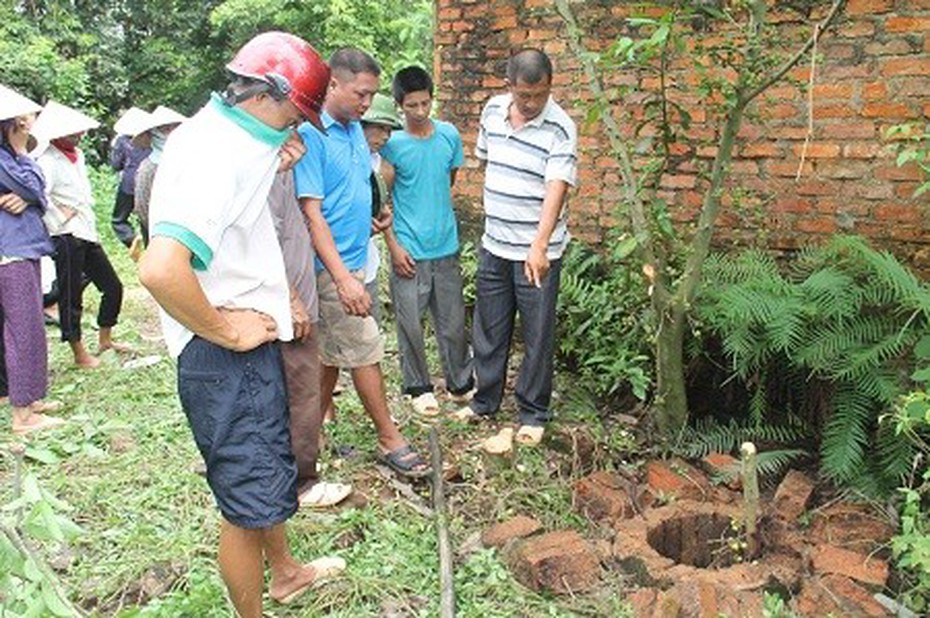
(236, 405)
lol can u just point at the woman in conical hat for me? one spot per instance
(23, 241)
(158, 127)
(73, 226)
(129, 148)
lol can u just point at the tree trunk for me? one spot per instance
(670, 407)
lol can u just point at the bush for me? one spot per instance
(825, 341)
(604, 323)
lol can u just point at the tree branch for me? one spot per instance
(791, 62)
(635, 203)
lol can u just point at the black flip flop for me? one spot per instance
(400, 463)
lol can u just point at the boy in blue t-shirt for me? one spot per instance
(424, 243)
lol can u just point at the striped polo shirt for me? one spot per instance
(519, 164)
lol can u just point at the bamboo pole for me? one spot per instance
(750, 499)
(446, 581)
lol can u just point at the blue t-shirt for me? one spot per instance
(424, 221)
(336, 169)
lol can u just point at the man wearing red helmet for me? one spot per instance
(215, 267)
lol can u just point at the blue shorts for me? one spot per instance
(236, 405)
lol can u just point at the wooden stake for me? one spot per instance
(750, 499)
(446, 581)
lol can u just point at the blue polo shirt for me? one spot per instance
(336, 169)
(423, 217)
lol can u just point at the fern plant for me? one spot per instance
(603, 317)
(709, 436)
(836, 324)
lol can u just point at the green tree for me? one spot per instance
(749, 57)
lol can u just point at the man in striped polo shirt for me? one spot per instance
(528, 144)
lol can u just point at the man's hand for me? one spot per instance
(354, 297)
(536, 265)
(404, 265)
(252, 328)
(300, 318)
(291, 152)
(382, 221)
(12, 203)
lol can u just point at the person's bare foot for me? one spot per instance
(35, 422)
(122, 348)
(43, 406)
(83, 358)
(87, 361)
(286, 588)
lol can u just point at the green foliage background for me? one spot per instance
(104, 56)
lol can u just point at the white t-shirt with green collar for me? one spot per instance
(210, 194)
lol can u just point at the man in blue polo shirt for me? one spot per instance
(335, 194)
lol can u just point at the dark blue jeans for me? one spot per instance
(503, 291)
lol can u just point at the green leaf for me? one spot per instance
(922, 349)
(921, 375)
(53, 602)
(625, 247)
(42, 455)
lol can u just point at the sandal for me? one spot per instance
(323, 495)
(466, 415)
(425, 404)
(326, 569)
(461, 398)
(40, 423)
(404, 461)
(530, 435)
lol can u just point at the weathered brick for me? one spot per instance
(833, 91)
(895, 47)
(868, 7)
(898, 213)
(561, 562)
(853, 29)
(902, 23)
(837, 596)
(862, 150)
(817, 150)
(891, 111)
(905, 172)
(833, 111)
(514, 528)
(725, 466)
(861, 567)
(905, 66)
(676, 478)
(875, 91)
(818, 225)
(603, 496)
(764, 150)
(792, 495)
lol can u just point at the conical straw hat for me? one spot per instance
(13, 104)
(160, 117)
(132, 122)
(57, 120)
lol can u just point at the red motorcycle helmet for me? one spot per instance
(290, 66)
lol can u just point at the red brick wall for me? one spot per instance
(874, 72)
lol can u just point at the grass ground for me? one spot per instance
(149, 526)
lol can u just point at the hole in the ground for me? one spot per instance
(703, 540)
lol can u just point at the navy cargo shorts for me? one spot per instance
(236, 405)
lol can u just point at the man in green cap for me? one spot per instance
(377, 124)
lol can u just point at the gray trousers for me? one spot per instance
(437, 286)
(503, 290)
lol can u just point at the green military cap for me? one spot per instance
(383, 111)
